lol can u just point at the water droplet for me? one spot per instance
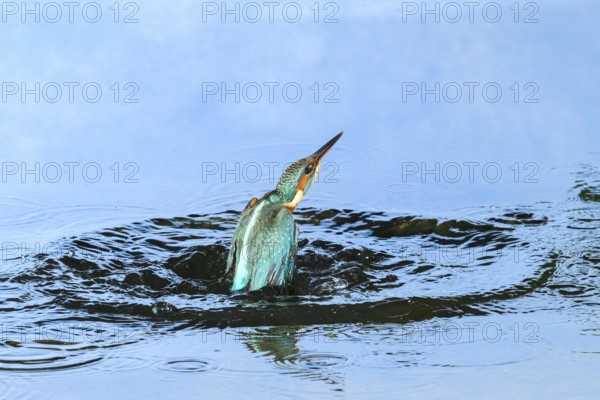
(332, 286)
(162, 307)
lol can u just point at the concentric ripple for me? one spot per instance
(126, 284)
(186, 365)
(61, 344)
(407, 266)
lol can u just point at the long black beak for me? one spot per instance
(319, 154)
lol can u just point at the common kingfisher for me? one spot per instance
(263, 248)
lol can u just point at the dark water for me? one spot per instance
(448, 248)
(372, 290)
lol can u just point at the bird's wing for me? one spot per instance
(232, 256)
(263, 251)
(275, 246)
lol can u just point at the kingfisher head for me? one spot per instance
(299, 177)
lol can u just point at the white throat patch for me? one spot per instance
(294, 203)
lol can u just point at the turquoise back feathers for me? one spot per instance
(263, 249)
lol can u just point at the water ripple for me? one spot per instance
(121, 285)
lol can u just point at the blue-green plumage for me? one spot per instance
(263, 248)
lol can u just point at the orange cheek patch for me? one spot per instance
(302, 183)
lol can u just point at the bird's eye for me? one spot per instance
(308, 169)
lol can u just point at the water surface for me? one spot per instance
(448, 248)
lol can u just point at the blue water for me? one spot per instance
(487, 125)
